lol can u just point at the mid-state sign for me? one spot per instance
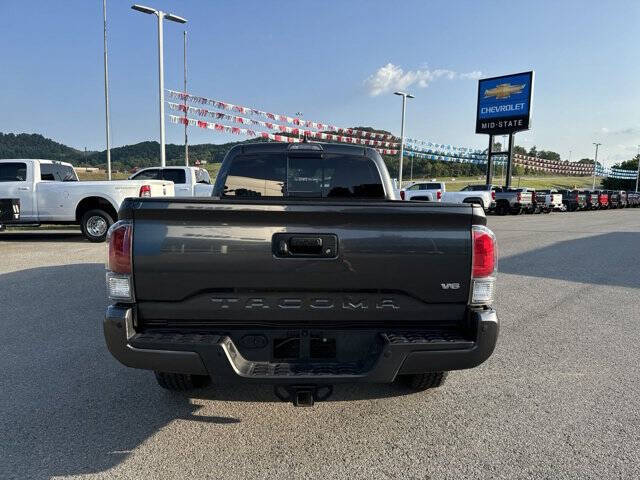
(504, 103)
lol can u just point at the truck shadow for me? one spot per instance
(43, 235)
(66, 406)
(583, 260)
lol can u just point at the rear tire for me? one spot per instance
(95, 225)
(502, 209)
(423, 381)
(181, 382)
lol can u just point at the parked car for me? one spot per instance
(623, 199)
(437, 192)
(425, 191)
(614, 199)
(574, 200)
(591, 199)
(552, 199)
(44, 191)
(633, 199)
(188, 181)
(301, 271)
(479, 194)
(536, 206)
(510, 200)
(603, 199)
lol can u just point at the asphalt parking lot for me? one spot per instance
(560, 397)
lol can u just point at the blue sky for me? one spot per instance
(325, 59)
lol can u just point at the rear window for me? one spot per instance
(433, 186)
(202, 176)
(303, 176)
(256, 176)
(152, 174)
(13, 172)
(175, 175)
(57, 173)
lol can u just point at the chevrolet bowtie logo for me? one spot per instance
(504, 90)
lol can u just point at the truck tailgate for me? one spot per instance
(207, 259)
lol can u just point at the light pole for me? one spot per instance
(161, 16)
(106, 90)
(638, 176)
(595, 163)
(504, 142)
(186, 141)
(404, 96)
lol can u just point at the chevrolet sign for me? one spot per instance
(504, 104)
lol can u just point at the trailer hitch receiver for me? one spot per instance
(303, 395)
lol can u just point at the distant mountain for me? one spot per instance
(146, 154)
(33, 145)
(143, 154)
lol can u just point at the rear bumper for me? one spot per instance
(393, 353)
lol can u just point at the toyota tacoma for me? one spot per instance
(303, 270)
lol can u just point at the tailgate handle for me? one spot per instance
(305, 245)
(288, 245)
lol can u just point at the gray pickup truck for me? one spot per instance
(302, 271)
(512, 200)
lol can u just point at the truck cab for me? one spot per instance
(425, 191)
(39, 191)
(187, 181)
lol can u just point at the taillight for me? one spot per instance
(485, 252)
(533, 197)
(577, 197)
(402, 194)
(493, 194)
(439, 195)
(119, 240)
(484, 267)
(145, 191)
(519, 196)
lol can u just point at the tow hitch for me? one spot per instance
(303, 395)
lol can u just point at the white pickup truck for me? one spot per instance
(188, 181)
(36, 192)
(437, 192)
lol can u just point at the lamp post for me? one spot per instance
(186, 140)
(595, 163)
(161, 16)
(106, 91)
(404, 96)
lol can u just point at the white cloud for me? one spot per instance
(392, 77)
(622, 131)
(475, 75)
